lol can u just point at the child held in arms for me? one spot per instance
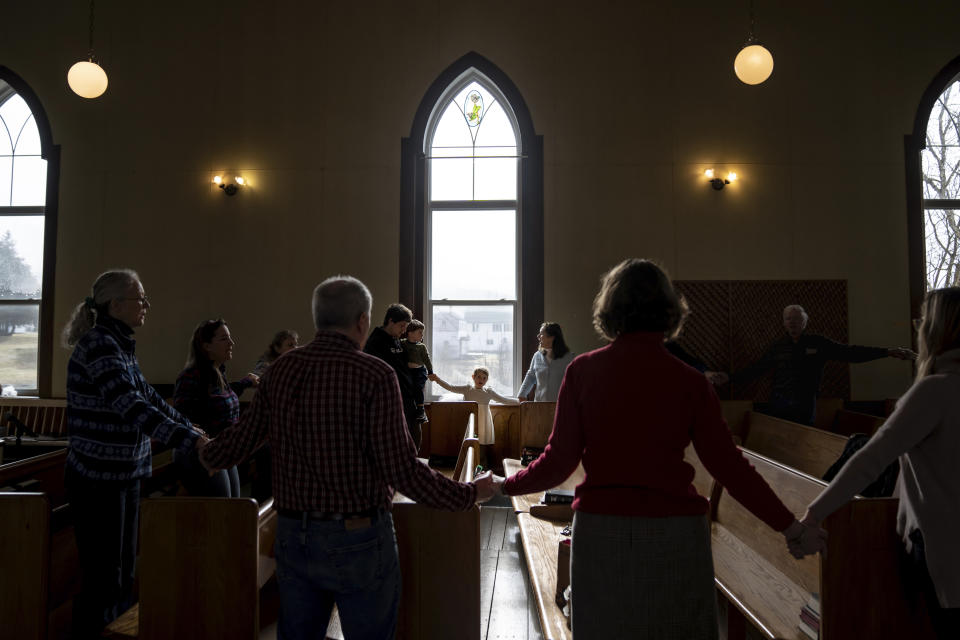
(482, 396)
(418, 358)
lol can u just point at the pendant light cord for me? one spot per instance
(90, 54)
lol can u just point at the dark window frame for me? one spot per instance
(51, 153)
(413, 200)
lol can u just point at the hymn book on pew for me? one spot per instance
(810, 617)
(558, 496)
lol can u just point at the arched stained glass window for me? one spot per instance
(24, 224)
(471, 231)
(474, 148)
(940, 161)
(472, 278)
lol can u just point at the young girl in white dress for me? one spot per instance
(482, 396)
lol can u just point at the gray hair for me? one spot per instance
(109, 285)
(339, 301)
(796, 307)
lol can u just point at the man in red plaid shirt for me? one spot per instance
(334, 419)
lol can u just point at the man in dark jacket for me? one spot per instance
(384, 343)
(797, 361)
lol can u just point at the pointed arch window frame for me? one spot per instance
(51, 153)
(415, 200)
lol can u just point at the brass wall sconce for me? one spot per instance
(229, 188)
(719, 183)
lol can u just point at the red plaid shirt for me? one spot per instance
(339, 442)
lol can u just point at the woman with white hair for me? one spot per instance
(924, 432)
(112, 413)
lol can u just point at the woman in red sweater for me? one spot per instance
(641, 565)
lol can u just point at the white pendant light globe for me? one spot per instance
(753, 64)
(87, 79)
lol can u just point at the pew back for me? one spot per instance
(448, 423)
(826, 410)
(440, 571)
(44, 416)
(736, 414)
(199, 568)
(796, 490)
(24, 556)
(536, 423)
(847, 423)
(859, 579)
(803, 448)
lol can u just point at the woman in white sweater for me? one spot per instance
(548, 365)
(924, 432)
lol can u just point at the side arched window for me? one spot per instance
(940, 162)
(25, 261)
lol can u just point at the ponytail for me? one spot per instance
(108, 286)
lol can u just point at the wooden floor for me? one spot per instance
(507, 608)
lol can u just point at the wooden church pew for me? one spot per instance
(536, 423)
(847, 423)
(803, 448)
(202, 564)
(25, 562)
(44, 416)
(859, 582)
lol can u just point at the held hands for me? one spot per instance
(717, 377)
(253, 378)
(805, 537)
(201, 444)
(488, 485)
(900, 353)
(432, 377)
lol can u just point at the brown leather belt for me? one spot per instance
(328, 515)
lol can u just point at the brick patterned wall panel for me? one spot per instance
(732, 322)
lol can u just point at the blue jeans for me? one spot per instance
(199, 483)
(322, 562)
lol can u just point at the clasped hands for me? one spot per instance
(488, 485)
(805, 537)
(901, 353)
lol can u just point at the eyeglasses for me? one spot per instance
(143, 300)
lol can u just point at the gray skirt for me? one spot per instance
(634, 577)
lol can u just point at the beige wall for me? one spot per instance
(309, 100)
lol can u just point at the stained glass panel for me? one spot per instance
(496, 130)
